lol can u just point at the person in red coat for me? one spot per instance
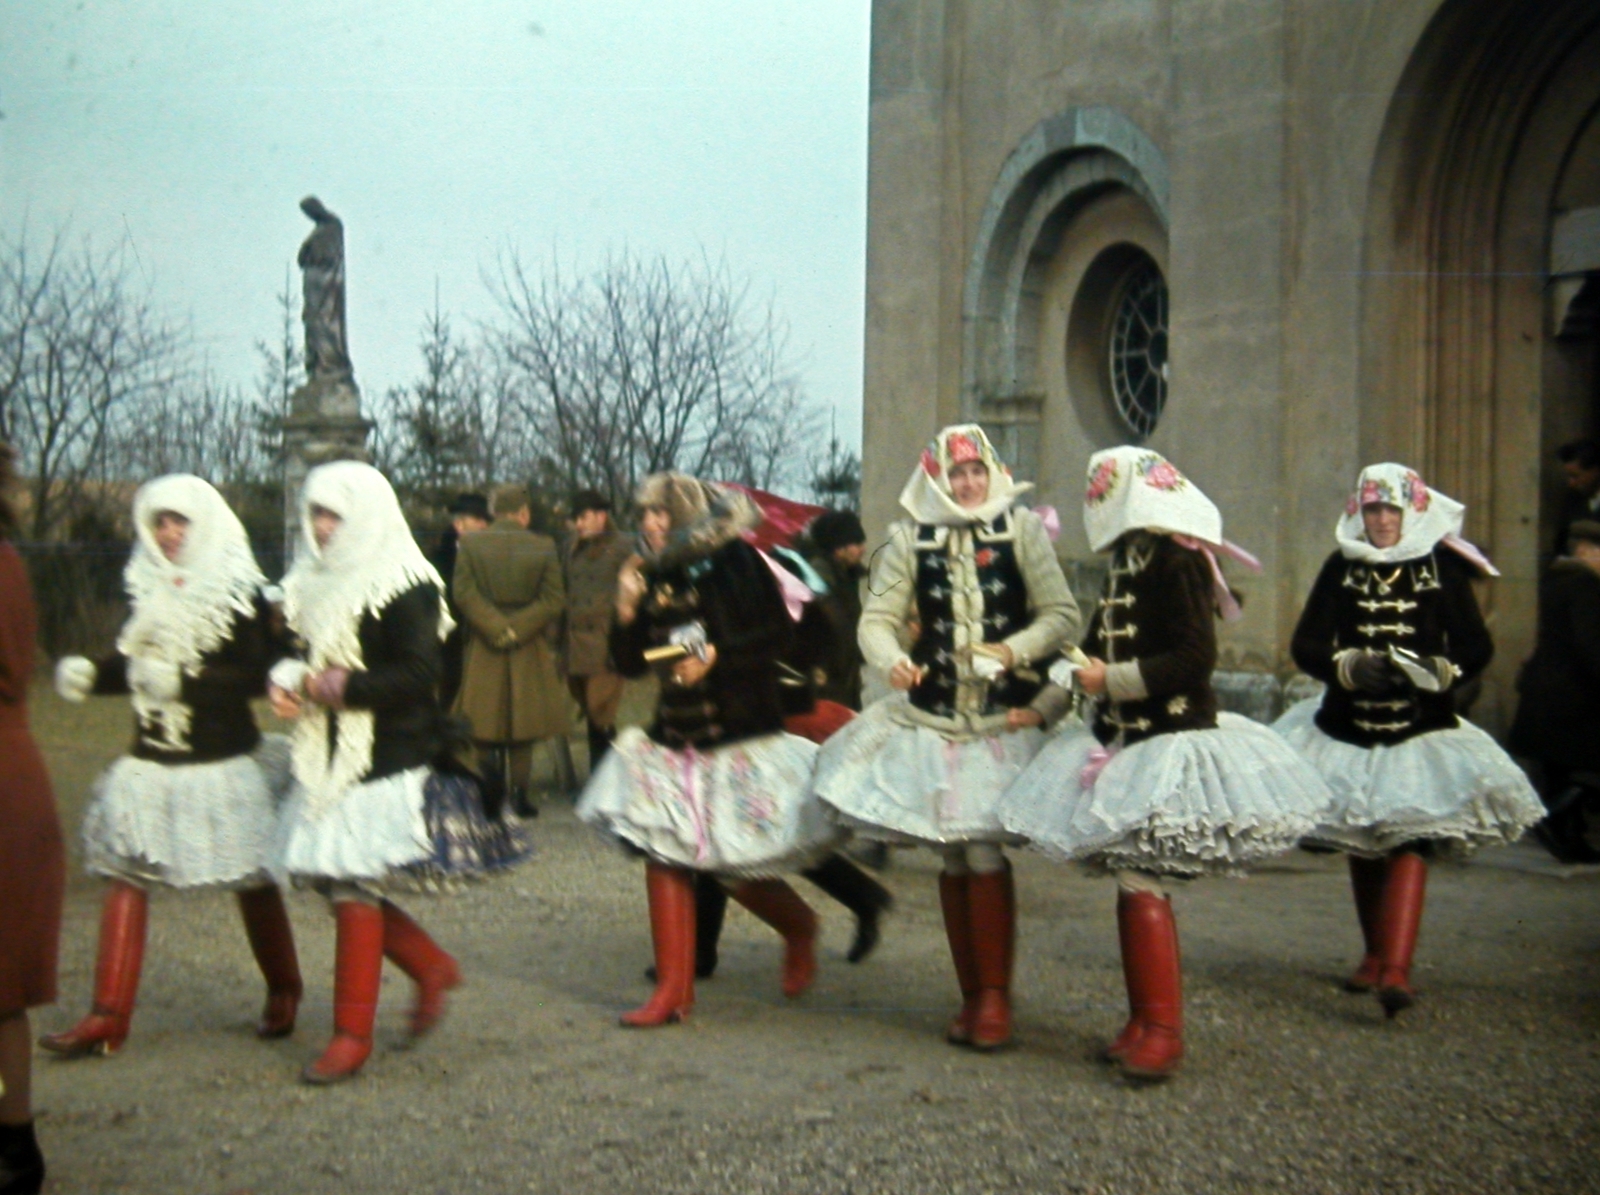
(32, 866)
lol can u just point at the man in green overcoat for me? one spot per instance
(508, 586)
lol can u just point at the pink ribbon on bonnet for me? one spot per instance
(1227, 604)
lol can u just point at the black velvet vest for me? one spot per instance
(989, 580)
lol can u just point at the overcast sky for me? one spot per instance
(443, 134)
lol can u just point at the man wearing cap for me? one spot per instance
(1558, 717)
(838, 542)
(468, 513)
(593, 558)
(508, 586)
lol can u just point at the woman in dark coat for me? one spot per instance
(32, 866)
(1558, 717)
(194, 802)
(375, 809)
(1392, 629)
(715, 785)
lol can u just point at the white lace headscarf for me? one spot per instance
(927, 496)
(1427, 518)
(184, 608)
(370, 559)
(1134, 489)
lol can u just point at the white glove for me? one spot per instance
(691, 636)
(986, 666)
(155, 679)
(75, 677)
(1063, 673)
(290, 675)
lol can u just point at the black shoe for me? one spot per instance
(21, 1163)
(866, 939)
(522, 803)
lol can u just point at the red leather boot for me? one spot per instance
(671, 894)
(266, 924)
(408, 946)
(1121, 1044)
(123, 916)
(780, 907)
(1367, 878)
(357, 969)
(1149, 936)
(1398, 920)
(991, 906)
(958, 929)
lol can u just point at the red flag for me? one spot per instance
(781, 518)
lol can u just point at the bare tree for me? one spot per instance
(645, 366)
(282, 371)
(80, 348)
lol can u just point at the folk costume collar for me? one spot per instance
(927, 496)
(1137, 489)
(1427, 518)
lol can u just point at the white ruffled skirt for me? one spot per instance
(415, 831)
(1455, 788)
(894, 780)
(1189, 803)
(188, 825)
(744, 809)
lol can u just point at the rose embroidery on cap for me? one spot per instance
(1160, 474)
(1101, 482)
(1416, 492)
(930, 464)
(962, 448)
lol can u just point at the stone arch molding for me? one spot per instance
(1065, 162)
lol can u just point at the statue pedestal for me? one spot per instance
(324, 424)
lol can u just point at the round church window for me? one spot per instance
(1138, 348)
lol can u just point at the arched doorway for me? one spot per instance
(1470, 368)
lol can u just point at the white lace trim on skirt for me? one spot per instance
(893, 780)
(188, 825)
(373, 828)
(1188, 803)
(743, 809)
(1455, 787)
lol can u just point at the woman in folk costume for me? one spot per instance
(929, 767)
(1161, 784)
(715, 785)
(195, 801)
(1393, 630)
(376, 806)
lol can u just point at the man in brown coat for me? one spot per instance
(594, 556)
(507, 584)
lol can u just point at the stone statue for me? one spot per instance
(322, 266)
(324, 421)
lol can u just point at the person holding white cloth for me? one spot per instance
(927, 767)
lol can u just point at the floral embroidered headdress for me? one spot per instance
(1137, 489)
(927, 496)
(1427, 518)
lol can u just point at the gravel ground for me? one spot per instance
(1490, 1084)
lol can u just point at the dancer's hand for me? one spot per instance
(1022, 717)
(630, 592)
(904, 674)
(1092, 676)
(691, 670)
(284, 703)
